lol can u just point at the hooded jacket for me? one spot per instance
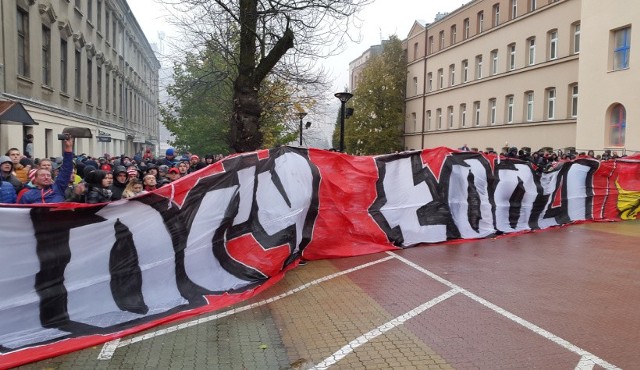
(56, 192)
(7, 192)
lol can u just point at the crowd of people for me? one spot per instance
(85, 179)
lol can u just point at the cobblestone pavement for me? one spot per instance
(565, 298)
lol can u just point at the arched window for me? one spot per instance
(617, 125)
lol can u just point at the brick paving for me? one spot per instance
(545, 300)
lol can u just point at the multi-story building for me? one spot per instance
(83, 63)
(496, 73)
(357, 65)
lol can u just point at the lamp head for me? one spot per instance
(301, 115)
(344, 96)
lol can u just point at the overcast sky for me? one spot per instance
(379, 20)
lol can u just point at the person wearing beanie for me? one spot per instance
(46, 190)
(195, 164)
(99, 187)
(6, 173)
(169, 159)
(120, 179)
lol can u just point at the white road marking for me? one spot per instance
(586, 363)
(363, 339)
(536, 329)
(109, 348)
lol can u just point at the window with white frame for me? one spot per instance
(439, 118)
(574, 100)
(510, 104)
(415, 51)
(492, 111)
(441, 42)
(440, 78)
(465, 71)
(450, 116)
(415, 86)
(494, 62)
(621, 48)
(430, 44)
(553, 44)
(531, 58)
(529, 108)
(478, 67)
(476, 113)
(551, 103)
(576, 38)
(496, 15)
(512, 56)
(514, 9)
(467, 28)
(452, 74)
(453, 34)
(480, 22)
(428, 120)
(532, 5)
(463, 115)
(429, 81)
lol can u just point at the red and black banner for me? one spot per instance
(76, 275)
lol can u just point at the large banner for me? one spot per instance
(76, 275)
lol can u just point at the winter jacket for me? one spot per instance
(7, 192)
(56, 192)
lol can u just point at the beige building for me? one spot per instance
(496, 73)
(357, 65)
(80, 63)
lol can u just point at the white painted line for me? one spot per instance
(106, 355)
(108, 349)
(536, 329)
(586, 363)
(363, 339)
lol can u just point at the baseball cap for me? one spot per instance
(173, 170)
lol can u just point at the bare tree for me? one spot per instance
(283, 38)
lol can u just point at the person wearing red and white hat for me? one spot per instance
(195, 163)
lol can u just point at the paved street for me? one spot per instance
(565, 298)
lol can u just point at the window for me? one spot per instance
(512, 57)
(439, 118)
(466, 26)
(114, 37)
(63, 65)
(90, 10)
(476, 114)
(622, 46)
(78, 71)
(107, 22)
(480, 22)
(414, 122)
(89, 80)
(514, 9)
(574, 100)
(430, 44)
(428, 120)
(551, 103)
(496, 15)
(453, 34)
(479, 67)
(99, 85)
(492, 111)
(463, 115)
(509, 103)
(46, 55)
(452, 75)
(440, 78)
(553, 44)
(441, 40)
(531, 58)
(617, 125)
(465, 71)
(494, 62)
(415, 51)
(430, 81)
(114, 92)
(532, 5)
(529, 110)
(576, 38)
(106, 91)
(450, 116)
(415, 86)
(99, 20)
(23, 42)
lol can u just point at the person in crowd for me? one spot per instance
(163, 176)
(169, 159)
(45, 164)
(132, 172)
(120, 179)
(183, 167)
(6, 173)
(195, 164)
(174, 174)
(19, 170)
(208, 159)
(147, 154)
(150, 182)
(152, 170)
(134, 188)
(45, 189)
(7, 192)
(99, 187)
(28, 146)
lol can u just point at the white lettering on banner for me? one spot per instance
(458, 199)
(201, 265)
(247, 178)
(577, 191)
(403, 199)
(549, 183)
(508, 182)
(20, 304)
(277, 211)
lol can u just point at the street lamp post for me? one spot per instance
(301, 115)
(344, 98)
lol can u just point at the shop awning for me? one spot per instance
(14, 112)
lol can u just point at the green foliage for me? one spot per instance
(377, 123)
